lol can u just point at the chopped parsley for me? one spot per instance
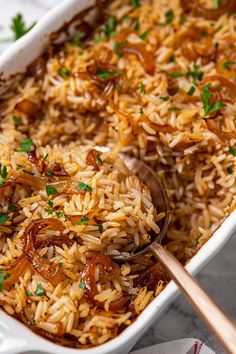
(18, 26)
(2, 278)
(60, 214)
(45, 157)
(106, 74)
(100, 39)
(26, 145)
(191, 91)
(141, 110)
(50, 190)
(229, 170)
(28, 293)
(40, 290)
(99, 160)
(50, 203)
(203, 32)
(144, 35)
(76, 38)
(82, 285)
(217, 4)
(117, 50)
(45, 256)
(142, 88)
(232, 151)
(50, 172)
(28, 172)
(164, 98)
(169, 15)
(137, 25)
(195, 73)
(63, 73)
(174, 109)
(82, 221)
(135, 3)
(11, 207)
(172, 59)
(118, 88)
(208, 106)
(84, 187)
(176, 74)
(110, 27)
(226, 65)
(16, 119)
(3, 174)
(3, 218)
(100, 228)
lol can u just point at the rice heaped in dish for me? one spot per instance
(156, 80)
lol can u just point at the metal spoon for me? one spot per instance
(211, 314)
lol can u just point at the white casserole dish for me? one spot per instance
(14, 336)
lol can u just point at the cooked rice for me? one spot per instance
(151, 117)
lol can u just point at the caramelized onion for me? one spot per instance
(110, 269)
(40, 164)
(38, 68)
(28, 107)
(151, 276)
(92, 158)
(54, 241)
(217, 130)
(16, 270)
(146, 58)
(49, 271)
(58, 170)
(36, 183)
(198, 10)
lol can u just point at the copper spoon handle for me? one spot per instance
(210, 313)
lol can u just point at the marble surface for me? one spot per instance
(218, 277)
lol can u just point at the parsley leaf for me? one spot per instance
(28, 293)
(169, 16)
(174, 109)
(232, 151)
(3, 218)
(2, 278)
(26, 145)
(110, 27)
(117, 49)
(209, 107)
(142, 88)
(16, 119)
(76, 38)
(50, 190)
(176, 74)
(63, 73)
(84, 187)
(217, 4)
(40, 290)
(99, 160)
(226, 65)
(144, 35)
(135, 3)
(106, 74)
(60, 214)
(11, 207)
(191, 91)
(164, 98)
(195, 73)
(18, 26)
(172, 59)
(229, 170)
(100, 228)
(82, 221)
(141, 110)
(82, 285)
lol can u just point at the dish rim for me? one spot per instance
(49, 23)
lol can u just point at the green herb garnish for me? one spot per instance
(142, 88)
(76, 38)
(141, 110)
(106, 74)
(50, 172)
(229, 170)
(11, 207)
(226, 65)
(3, 174)
(50, 190)
(172, 59)
(135, 3)
(117, 46)
(60, 214)
(110, 27)
(191, 91)
(118, 88)
(16, 119)
(164, 98)
(209, 107)
(174, 109)
(3, 218)
(45, 256)
(99, 160)
(176, 74)
(195, 73)
(40, 290)
(82, 221)
(63, 73)
(26, 145)
(2, 278)
(144, 35)
(45, 157)
(100, 39)
(18, 26)
(28, 172)
(84, 187)
(169, 15)
(217, 4)
(28, 293)
(232, 151)
(100, 228)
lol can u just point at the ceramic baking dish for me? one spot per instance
(14, 336)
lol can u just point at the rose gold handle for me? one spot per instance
(211, 314)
